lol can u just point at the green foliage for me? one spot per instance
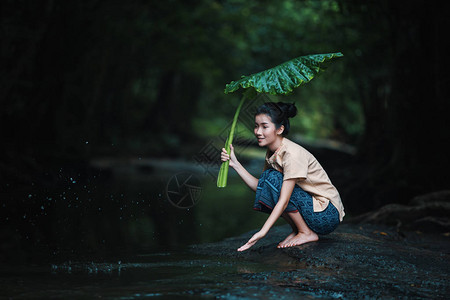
(284, 78)
(147, 77)
(277, 31)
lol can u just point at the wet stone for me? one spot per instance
(368, 261)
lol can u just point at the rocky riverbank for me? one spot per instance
(354, 262)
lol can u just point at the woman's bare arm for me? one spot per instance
(285, 195)
(248, 178)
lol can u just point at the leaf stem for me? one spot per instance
(223, 172)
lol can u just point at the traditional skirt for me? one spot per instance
(268, 192)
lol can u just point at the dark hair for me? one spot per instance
(279, 113)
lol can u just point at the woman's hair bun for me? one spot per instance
(288, 109)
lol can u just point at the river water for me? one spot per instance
(136, 229)
(122, 230)
(165, 275)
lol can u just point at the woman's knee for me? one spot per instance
(272, 173)
(274, 176)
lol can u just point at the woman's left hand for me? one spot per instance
(256, 237)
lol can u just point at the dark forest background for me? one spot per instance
(88, 79)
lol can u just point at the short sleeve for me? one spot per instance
(295, 165)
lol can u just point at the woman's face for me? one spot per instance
(266, 131)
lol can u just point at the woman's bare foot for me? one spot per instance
(283, 243)
(299, 239)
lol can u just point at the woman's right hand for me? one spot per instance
(224, 156)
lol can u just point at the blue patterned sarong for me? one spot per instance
(268, 192)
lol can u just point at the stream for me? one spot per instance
(164, 231)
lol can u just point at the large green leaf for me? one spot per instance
(284, 78)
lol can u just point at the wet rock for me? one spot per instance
(367, 261)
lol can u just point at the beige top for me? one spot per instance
(294, 161)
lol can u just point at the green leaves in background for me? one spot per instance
(285, 77)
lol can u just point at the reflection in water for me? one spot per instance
(166, 275)
(112, 211)
(105, 233)
(118, 237)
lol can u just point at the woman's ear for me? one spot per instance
(280, 130)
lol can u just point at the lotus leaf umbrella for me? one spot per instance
(279, 80)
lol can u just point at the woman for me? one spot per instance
(293, 183)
